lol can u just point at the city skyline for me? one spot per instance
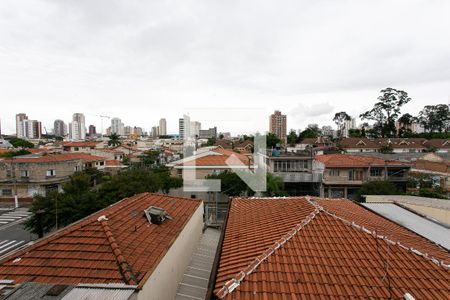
(301, 58)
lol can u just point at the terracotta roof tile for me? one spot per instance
(219, 158)
(327, 257)
(56, 158)
(347, 160)
(89, 252)
(81, 144)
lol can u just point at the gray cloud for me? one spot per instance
(145, 60)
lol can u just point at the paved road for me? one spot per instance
(12, 232)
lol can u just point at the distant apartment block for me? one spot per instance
(162, 127)
(277, 125)
(77, 128)
(59, 128)
(31, 129)
(19, 128)
(117, 126)
(92, 130)
(208, 133)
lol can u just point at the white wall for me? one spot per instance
(163, 282)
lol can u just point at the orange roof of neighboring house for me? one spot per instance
(81, 144)
(302, 248)
(219, 159)
(359, 143)
(31, 150)
(438, 143)
(55, 158)
(350, 161)
(91, 250)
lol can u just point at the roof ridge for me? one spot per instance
(382, 237)
(234, 282)
(124, 266)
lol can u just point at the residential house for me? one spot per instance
(224, 144)
(144, 242)
(437, 167)
(244, 146)
(31, 174)
(396, 145)
(439, 145)
(343, 174)
(321, 141)
(352, 145)
(82, 146)
(211, 162)
(313, 248)
(300, 172)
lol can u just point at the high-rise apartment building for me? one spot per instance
(349, 124)
(195, 128)
(277, 125)
(117, 126)
(59, 128)
(77, 128)
(181, 128)
(92, 130)
(162, 127)
(31, 129)
(19, 126)
(208, 133)
(155, 131)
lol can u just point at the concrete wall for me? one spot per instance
(163, 282)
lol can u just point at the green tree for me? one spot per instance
(378, 187)
(308, 133)
(272, 140)
(231, 184)
(114, 140)
(340, 118)
(435, 118)
(78, 198)
(274, 186)
(356, 133)
(20, 143)
(15, 153)
(211, 141)
(386, 111)
(292, 137)
(150, 158)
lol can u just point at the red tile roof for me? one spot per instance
(56, 158)
(81, 144)
(123, 248)
(218, 159)
(349, 161)
(285, 248)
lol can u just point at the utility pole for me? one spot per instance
(16, 198)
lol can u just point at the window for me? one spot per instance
(51, 173)
(375, 172)
(24, 173)
(76, 149)
(6, 192)
(334, 172)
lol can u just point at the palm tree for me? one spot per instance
(274, 186)
(114, 140)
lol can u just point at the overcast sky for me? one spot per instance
(226, 63)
